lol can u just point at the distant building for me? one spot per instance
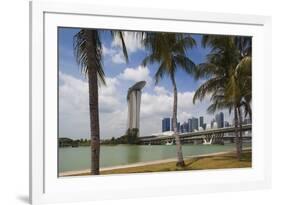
(201, 121)
(134, 102)
(212, 123)
(226, 124)
(166, 124)
(194, 124)
(181, 129)
(204, 126)
(185, 127)
(220, 119)
(178, 127)
(189, 125)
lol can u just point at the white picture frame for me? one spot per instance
(45, 186)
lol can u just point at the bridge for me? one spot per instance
(209, 136)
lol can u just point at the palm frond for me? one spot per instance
(89, 56)
(120, 35)
(185, 63)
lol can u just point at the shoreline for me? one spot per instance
(142, 164)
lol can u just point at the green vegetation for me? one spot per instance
(228, 78)
(131, 137)
(67, 142)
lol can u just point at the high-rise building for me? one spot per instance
(134, 102)
(181, 129)
(212, 123)
(194, 124)
(178, 126)
(166, 124)
(201, 121)
(185, 127)
(189, 125)
(226, 124)
(220, 119)
(204, 126)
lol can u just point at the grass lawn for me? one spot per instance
(198, 163)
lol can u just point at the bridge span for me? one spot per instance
(209, 136)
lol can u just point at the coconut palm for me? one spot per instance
(169, 51)
(88, 52)
(228, 73)
(218, 70)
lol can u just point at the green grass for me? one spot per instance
(199, 163)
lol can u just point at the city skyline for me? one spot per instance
(194, 123)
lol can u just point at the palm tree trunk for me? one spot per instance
(93, 104)
(174, 122)
(240, 130)
(238, 153)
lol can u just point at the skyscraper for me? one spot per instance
(194, 124)
(181, 128)
(178, 127)
(134, 101)
(212, 123)
(201, 122)
(226, 124)
(189, 125)
(220, 119)
(185, 127)
(166, 124)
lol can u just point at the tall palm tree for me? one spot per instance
(228, 73)
(218, 69)
(169, 51)
(239, 91)
(88, 52)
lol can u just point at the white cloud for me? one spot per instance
(156, 104)
(74, 105)
(161, 90)
(136, 74)
(115, 54)
(159, 104)
(132, 42)
(118, 58)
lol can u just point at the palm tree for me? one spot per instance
(88, 52)
(228, 73)
(169, 51)
(239, 91)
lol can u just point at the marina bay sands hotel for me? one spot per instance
(134, 100)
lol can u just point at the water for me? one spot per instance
(74, 159)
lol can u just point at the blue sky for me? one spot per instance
(68, 65)
(156, 99)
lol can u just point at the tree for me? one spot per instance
(169, 51)
(88, 52)
(228, 74)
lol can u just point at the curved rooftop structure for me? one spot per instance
(137, 86)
